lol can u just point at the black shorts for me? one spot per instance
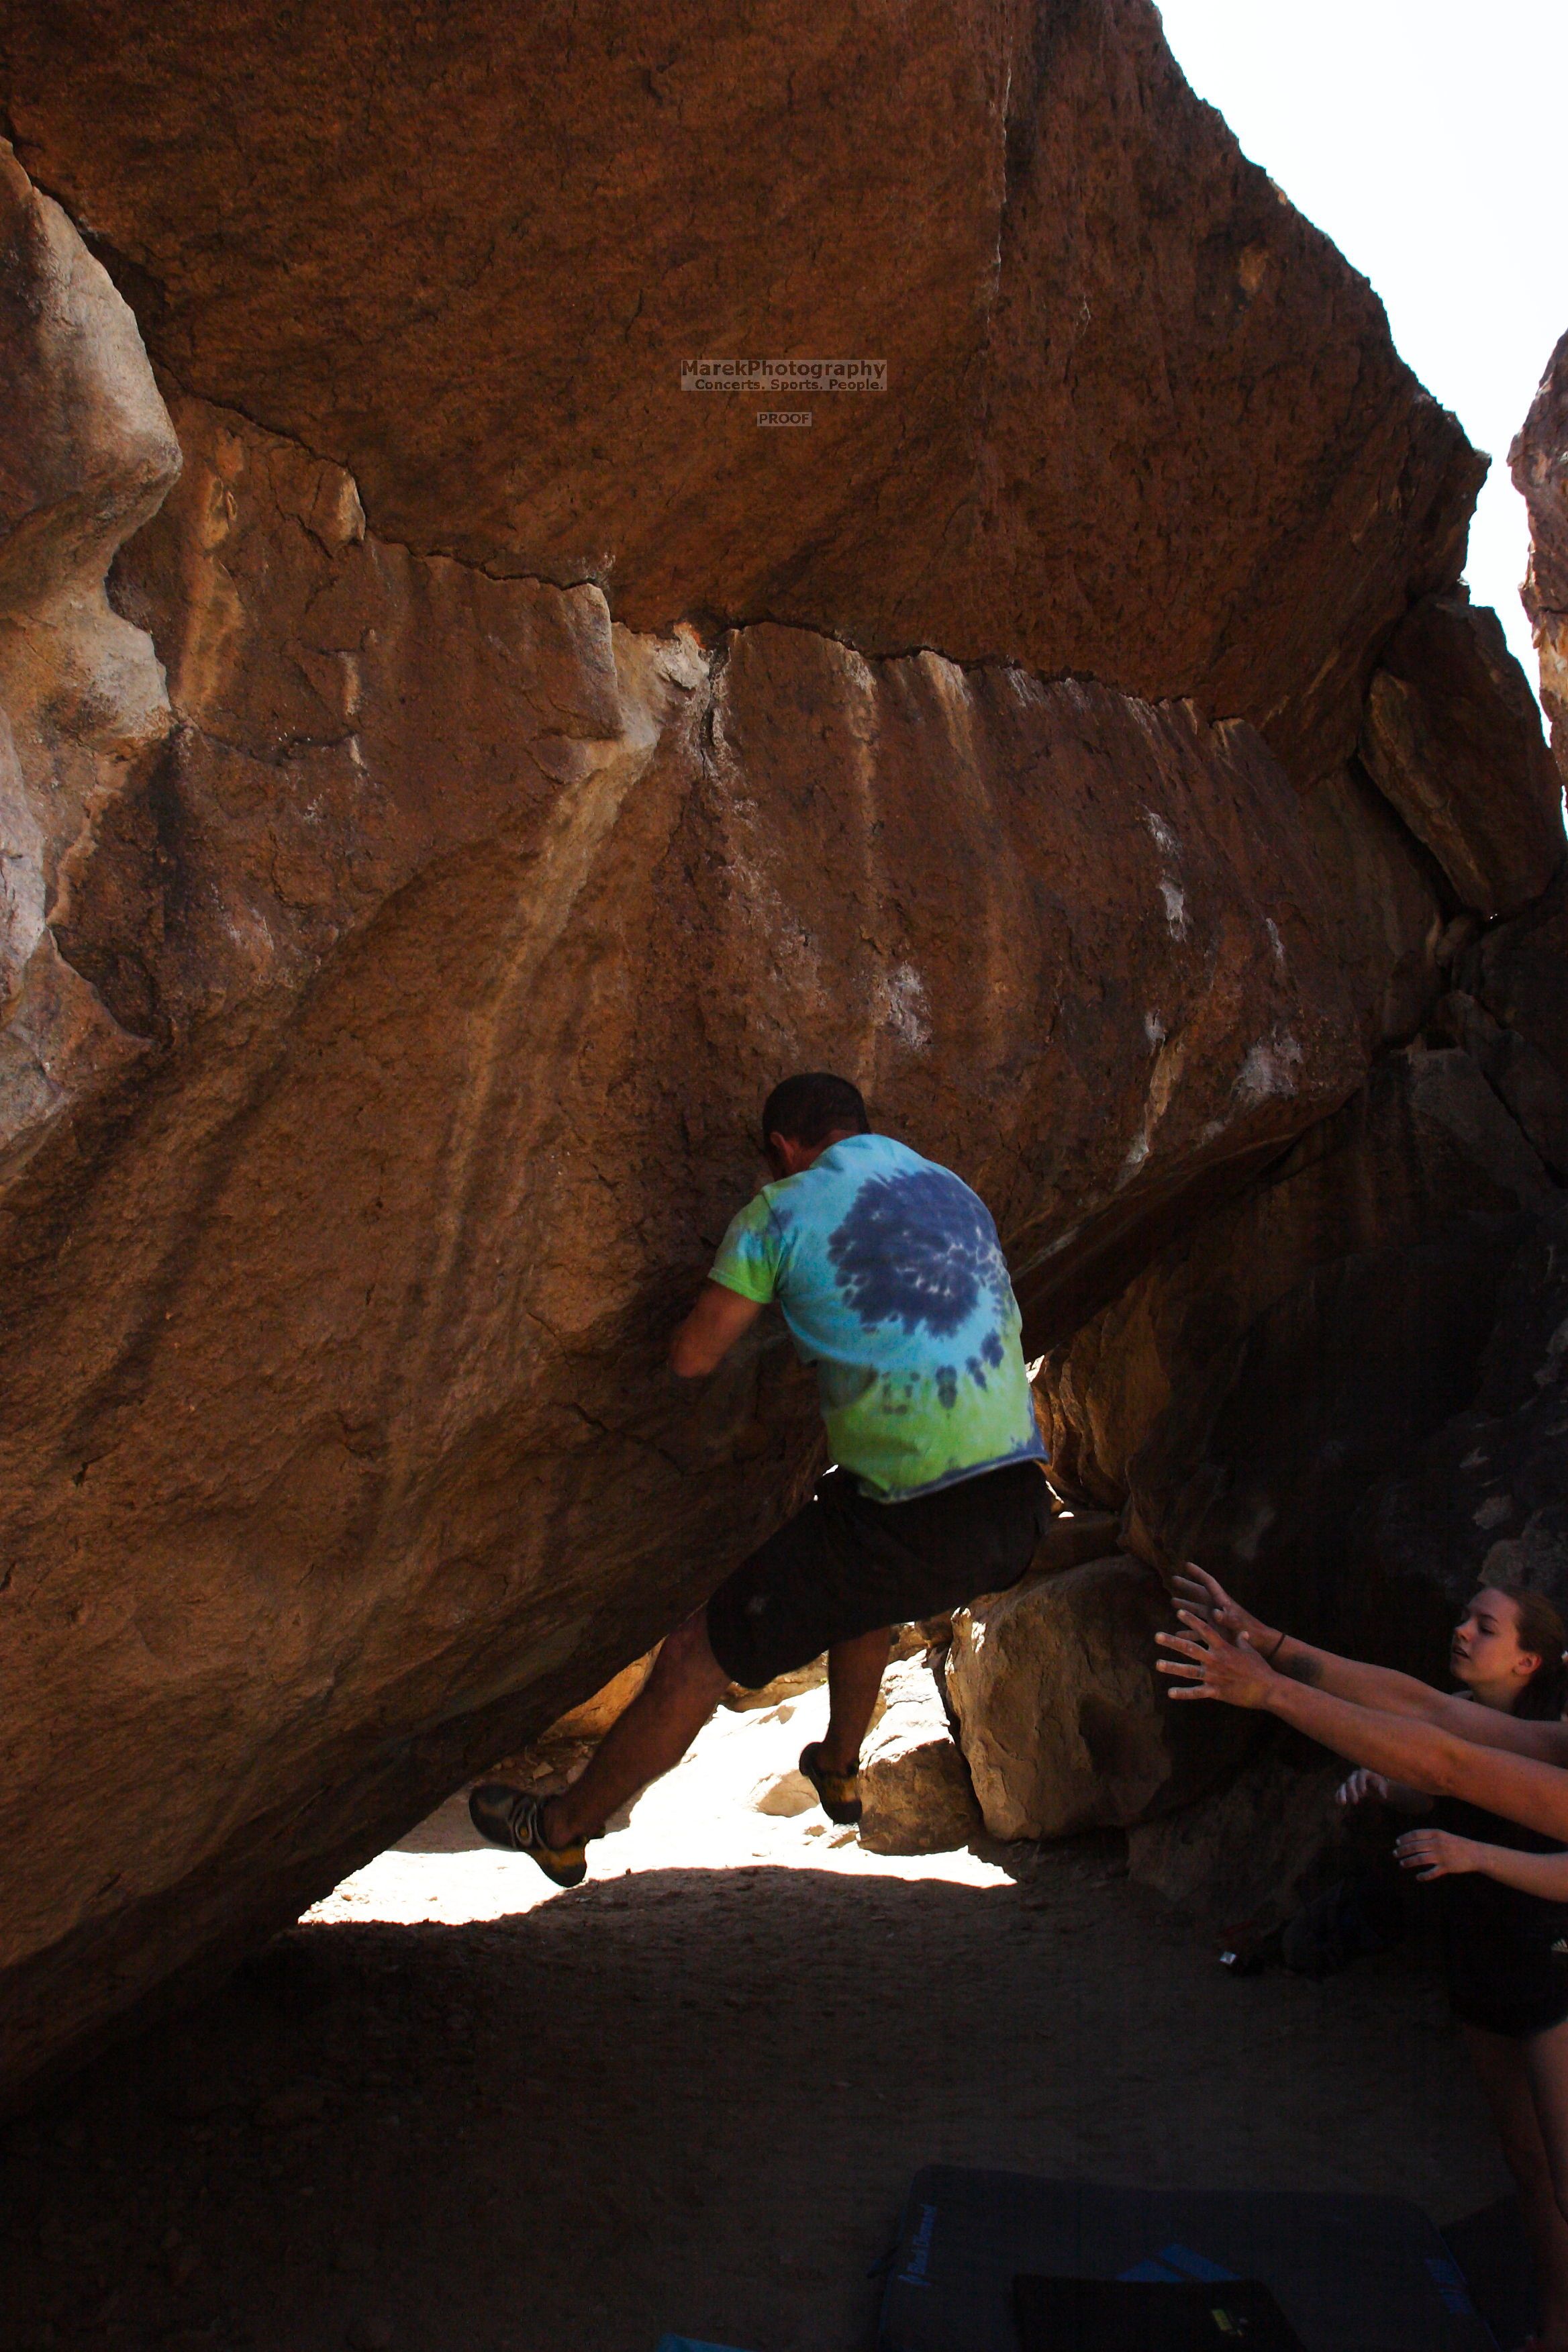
(845, 1565)
(1505, 1953)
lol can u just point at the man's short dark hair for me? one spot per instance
(812, 1106)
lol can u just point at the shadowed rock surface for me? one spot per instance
(493, 767)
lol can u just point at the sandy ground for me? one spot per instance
(455, 2111)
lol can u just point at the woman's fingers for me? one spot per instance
(1203, 1653)
(1184, 1648)
(1214, 1641)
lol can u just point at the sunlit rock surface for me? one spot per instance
(1452, 739)
(493, 767)
(1141, 421)
(1062, 1720)
(1539, 461)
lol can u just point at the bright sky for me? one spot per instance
(1427, 138)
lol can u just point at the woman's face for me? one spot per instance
(1485, 1649)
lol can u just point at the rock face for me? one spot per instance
(914, 1783)
(360, 1291)
(1539, 462)
(491, 767)
(87, 452)
(1252, 1851)
(1406, 1205)
(1062, 1720)
(1137, 408)
(1249, 1391)
(1487, 1495)
(1452, 739)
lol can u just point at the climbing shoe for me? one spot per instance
(838, 1793)
(506, 1817)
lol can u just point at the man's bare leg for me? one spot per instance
(855, 1670)
(685, 1686)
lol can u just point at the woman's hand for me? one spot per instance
(1206, 1597)
(1436, 1853)
(1210, 1666)
(1363, 1788)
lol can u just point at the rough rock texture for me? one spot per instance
(87, 452)
(1255, 1467)
(914, 1783)
(594, 1717)
(1407, 1203)
(1487, 1494)
(1524, 1079)
(550, 758)
(1062, 1720)
(1517, 972)
(1538, 463)
(1137, 413)
(1250, 1852)
(1452, 739)
(337, 1336)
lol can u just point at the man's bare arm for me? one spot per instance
(701, 1343)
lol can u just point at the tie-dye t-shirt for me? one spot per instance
(892, 1283)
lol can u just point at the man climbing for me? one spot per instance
(892, 1283)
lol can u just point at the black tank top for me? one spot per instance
(1505, 1953)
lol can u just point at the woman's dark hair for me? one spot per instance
(812, 1107)
(1540, 1630)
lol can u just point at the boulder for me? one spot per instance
(1250, 1853)
(1064, 1724)
(542, 769)
(1538, 463)
(1487, 1494)
(560, 1751)
(915, 1786)
(1391, 934)
(1426, 1157)
(87, 452)
(1258, 1467)
(1525, 1080)
(1073, 1538)
(1452, 739)
(436, 934)
(1137, 410)
(1517, 972)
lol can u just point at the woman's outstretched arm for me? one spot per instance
(1382, 1687)
(1209, 1665)
(1438, 1854)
